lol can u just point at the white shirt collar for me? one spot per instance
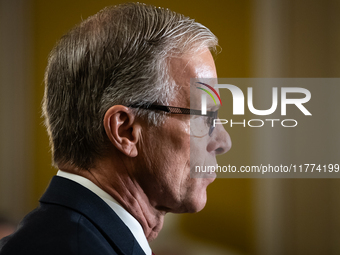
(124, 215)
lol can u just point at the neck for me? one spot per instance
(128, 193)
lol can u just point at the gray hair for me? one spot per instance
(119, 56)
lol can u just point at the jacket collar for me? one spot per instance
(68, 193)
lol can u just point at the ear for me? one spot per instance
(122, 129)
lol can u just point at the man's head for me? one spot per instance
(120, 56)
(132, 55)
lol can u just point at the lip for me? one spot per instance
(211, 175)
(204, 174)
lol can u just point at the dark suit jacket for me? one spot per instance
(71, 220)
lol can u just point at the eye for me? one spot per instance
(209, 121)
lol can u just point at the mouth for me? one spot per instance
(210, 175)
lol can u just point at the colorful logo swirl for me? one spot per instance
(209, 93)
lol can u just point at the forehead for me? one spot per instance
(198, 66)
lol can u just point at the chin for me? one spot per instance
(199, 196)
(196, 203)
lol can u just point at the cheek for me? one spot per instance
(166, 160)
(198, 149)
(201, 159)
(177, 134)
(174, 145)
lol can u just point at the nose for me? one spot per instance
(220, 141)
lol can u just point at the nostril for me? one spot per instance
(219, 150)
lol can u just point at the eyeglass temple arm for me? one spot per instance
(174, 110)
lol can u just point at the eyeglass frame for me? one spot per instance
(179, 110)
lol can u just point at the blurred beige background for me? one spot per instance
(259, 38)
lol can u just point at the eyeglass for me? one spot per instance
(198, 128)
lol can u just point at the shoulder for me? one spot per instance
(54, 229)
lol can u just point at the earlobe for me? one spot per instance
(122, 129)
